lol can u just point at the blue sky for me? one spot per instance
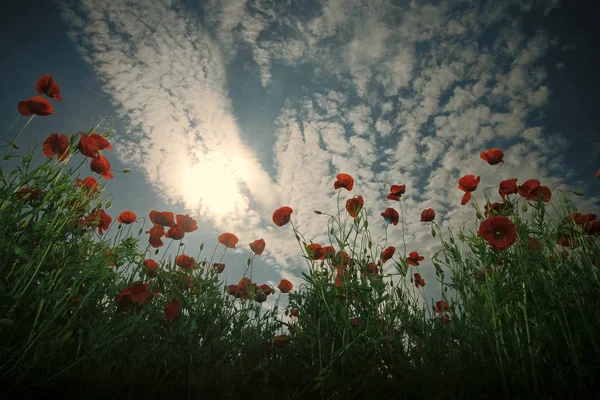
(229, 109)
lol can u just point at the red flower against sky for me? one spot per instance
(419, 281)
(187, 223)
(175, 232)
(531, 189)
(396, 191)
(156, 233)
(101, 166)
(152, 267)
(90, 183)
(391, 216)
(103, 219)
(281, 216)
(371, 269)
(468, 184)
(508, 186)
(219, 267)
(498, 231)
(35, 105)
(414, 258)
(387, 254)
(315, 251)
(56, 145)
(164, 218)
(127, 217)
(228, 240)
(354, 205)
(492, 156)
(427, 215)
(285, 286)
(344, 181)
(258, 246)
(46, 85)
(185, 262)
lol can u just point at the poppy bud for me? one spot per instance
(127, 170)
(108, 204)
(524, 207)
(432, 232)
(331, 231)
(15, 145)
(181, 244)
(140, 231)
(318, 212)
(452, 239)
(106, 134)
(534, 214)
(156, 251)
(201, 246)
(479, 216)
(575, 209)
(577, 192)
(248, 262)
(366, 224)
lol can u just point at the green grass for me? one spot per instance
(529, 329)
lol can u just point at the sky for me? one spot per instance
(229, 109)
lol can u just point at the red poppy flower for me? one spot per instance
(88, 146)
(46, 85)
(285, 286)
(294, 312)
(266, 289)
(186, 222)
(90, 183)
(30, 194)
(185, 262)
(315, 251)
(492, 156)
(396, 191)
(531, 190)
(498, 231)
(427, 215)
(228, 240)
(444, 319)
(508, 186)
(137, 293)
(172, 310)
(391, 216)
(152, 267)
(329, 251)
(414, 258)
(468, 184)
(344, 181)
(35, 105)
(233, 290)
(419, 281)
(101, 166)
(371, 269)
(258, 246)
(281, 216)
(387, 254)
(340, 260)
(164, 218)
(156, 233)
(175, 232)
(354, 205)
(103, 219)
(441, 306)
(56, 144)
(219, 267)
(583, 220)
(534, 243)
(127, 217)
(101, 141)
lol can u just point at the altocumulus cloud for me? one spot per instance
(405, 93)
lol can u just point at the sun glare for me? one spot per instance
(211, 184)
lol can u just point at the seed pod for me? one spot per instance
(318, 212)
(127, 170)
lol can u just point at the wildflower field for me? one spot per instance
(85, 317)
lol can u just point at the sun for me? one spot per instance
(211, 183)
